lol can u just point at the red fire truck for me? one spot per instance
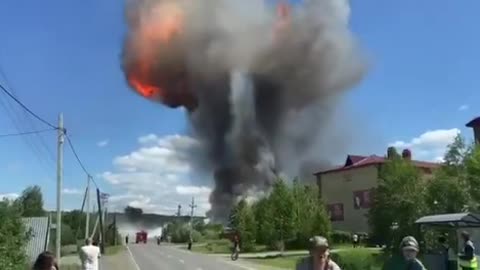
(141, 237)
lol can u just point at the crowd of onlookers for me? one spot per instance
(320, 256)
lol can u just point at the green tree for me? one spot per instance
(310, 215)
(283, 218)
(32, 202)
(448, 191)
(13, 237)
(242, 220)
(398, 202)
(76, 221)
(472, 171)
(264, 218)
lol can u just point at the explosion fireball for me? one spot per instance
(260, 83)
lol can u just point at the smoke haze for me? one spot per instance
(261, 83)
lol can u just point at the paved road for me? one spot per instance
(153, 257)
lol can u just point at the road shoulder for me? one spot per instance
(120, 260)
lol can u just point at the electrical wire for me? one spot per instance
(25, 133)
(79, 160)
(25, 120)
(26, 108)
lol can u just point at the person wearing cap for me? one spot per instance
(410, 248)
(319, 256)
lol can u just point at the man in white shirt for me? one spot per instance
(89, 255)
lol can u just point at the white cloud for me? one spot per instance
(156, 176)
(192, 190)
(430, 145)
(9, 196)
(463, 107)
(150, 138)
(102, 143)
(72, 191)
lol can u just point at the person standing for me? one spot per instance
(447, 253)
(355, 240)
(126, 239)
(467, 260)
(319, 256)
(89, 255)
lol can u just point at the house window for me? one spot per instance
(362, 199)
(335, 211)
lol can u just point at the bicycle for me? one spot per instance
(235, 253)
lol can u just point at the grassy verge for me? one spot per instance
(112, 250)
(286, 262)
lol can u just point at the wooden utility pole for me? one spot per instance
(100, 218)
(60, 143)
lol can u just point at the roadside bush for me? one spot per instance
(354, 259)
(13, 237)
(181, 234)
(211, 234)
(341, 237)
(219, 246)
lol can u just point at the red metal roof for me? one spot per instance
(354, 161)
(475, 122)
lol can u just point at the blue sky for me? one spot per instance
(64, 56)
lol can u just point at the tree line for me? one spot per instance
(405, 193)
(285, 218)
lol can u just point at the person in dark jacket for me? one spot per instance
(447, 253)
(467, 260)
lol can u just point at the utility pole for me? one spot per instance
(100, 218)
(87, 223)
(190, 240)
(61, 141)
(192, 207)
(179, 211)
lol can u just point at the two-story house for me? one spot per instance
(346, 190)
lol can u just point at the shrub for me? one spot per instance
(13, 236)
(210, 234)
(341, 237)
(219, 246)
(354, 259)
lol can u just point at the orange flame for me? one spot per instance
(284, 18)
(162, 24)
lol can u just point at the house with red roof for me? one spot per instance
(347, 189)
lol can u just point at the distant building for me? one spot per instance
(475, 125)
(39, 229)
(347, 189)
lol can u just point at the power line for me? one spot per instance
(26, 108)
(25, 133)
(80, 161)
(28, 120)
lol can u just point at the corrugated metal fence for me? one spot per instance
(40, 234)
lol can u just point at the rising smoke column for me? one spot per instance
(260, 84)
